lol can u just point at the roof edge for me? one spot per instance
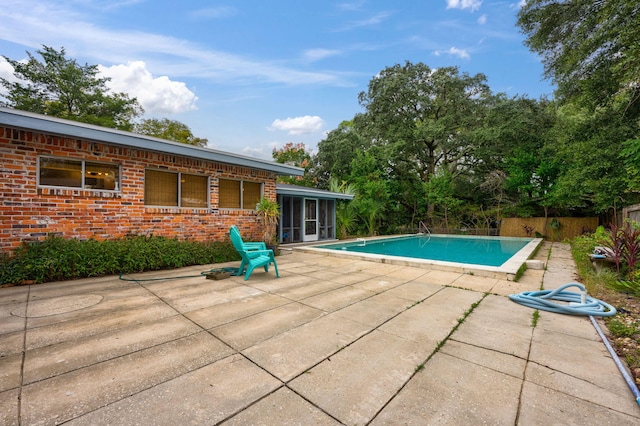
(305, 191)
(62, 127)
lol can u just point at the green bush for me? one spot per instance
(594, 280)
(605, 277)
(56, 258)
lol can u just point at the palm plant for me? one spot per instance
(269, 213)
(346, 219)
(370, 210)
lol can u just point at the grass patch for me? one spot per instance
(618, 328)
(441, 343)
(597, 281)
(521, 270)
(535, 318)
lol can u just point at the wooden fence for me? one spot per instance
(557, 228)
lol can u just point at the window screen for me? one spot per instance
(229, 194)
(160, 188)
(194, 191)
(235, 194)
(251, 194)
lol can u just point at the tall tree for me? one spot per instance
(336, 153)
(426, 113)
(424, 118)
(60, 87)
(171, 130)
(509, 156)
(295, 155)
(587, 45)
(589, 144)
(591, 49)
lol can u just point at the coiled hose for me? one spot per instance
(579, 304)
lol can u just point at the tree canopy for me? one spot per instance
(61, 87)
(295, 155)
(171, 130)
(591, 45)
(437, 145)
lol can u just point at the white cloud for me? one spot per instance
(6, 72)
(454, 51)
(482, 19)
(258, 152)
(522, 3)
(312, 55)
(214, 12)
(464, 4)
(370, 21)
(351, 6)
(157, 95)
(298, 125)
(28, 22)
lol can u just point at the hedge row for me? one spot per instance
(56, 258)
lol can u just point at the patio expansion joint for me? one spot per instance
(452, 339)
(23, 355)
(524, 377)
(432, 354)
(285, 384)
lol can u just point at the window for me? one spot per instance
(251, 193)
(78, 174)
(175, 189)
(235, 194)
(194, 191)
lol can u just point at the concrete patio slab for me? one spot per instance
(292, 353)
(544, 406)
(72, 394)
(233, 310)
(504, 363)
(283, 407)
(354, 384)
(475, 283)
(452, 391)
(376, 310)
(338, 298)
(72, 355)
(204, 396)
(332, 341)
(246, 332)
(311, 287)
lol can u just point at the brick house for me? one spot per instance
(82, 181)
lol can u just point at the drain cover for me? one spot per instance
(57, 305)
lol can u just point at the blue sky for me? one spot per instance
(251, 75)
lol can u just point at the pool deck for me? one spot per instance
(334, 341)
(507, 270)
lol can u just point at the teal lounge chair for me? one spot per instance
(248, 245)
(252, 256)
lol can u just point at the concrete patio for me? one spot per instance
(333, 341)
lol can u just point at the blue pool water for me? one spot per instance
(485, 251)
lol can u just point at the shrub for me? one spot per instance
(56, 258)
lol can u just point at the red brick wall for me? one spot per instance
(29, 213)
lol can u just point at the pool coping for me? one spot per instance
(508, 270)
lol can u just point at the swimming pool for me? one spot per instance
(471, 254)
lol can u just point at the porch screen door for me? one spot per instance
(310, 219)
